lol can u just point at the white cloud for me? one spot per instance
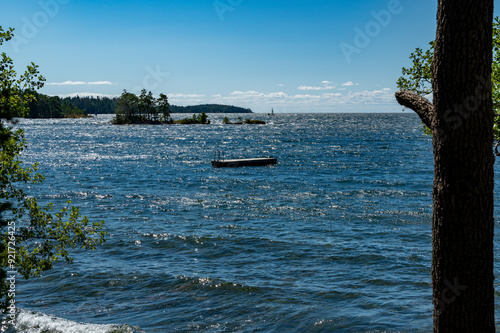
(87, 94)
(187, 99)
(277, 95)
(382, 96)
(315, 101)
(99, 83)
(350, 84)
(327, 85)
(75, 83)
(67, 83)
(307, 96)
(332, 95)
(310, 88)
(186, 95)
(246, 93)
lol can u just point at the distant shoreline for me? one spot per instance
(208, 108)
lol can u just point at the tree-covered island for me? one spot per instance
(240, 121)
(142, 109)
(146, 109)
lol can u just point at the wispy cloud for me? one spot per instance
(256, 94)
(186, 96)
(310, 88)
(76, 83)
(306, 96)
(350, 84)
(312, 101)
(364, 97)
(66, 83)
(332, 95)
(100, 83)
(187, 99)
(87, 94)
(327, 85)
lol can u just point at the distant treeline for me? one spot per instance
(56, 107)
(94, 105)
(52, 107)
(208, 108)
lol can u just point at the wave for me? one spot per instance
(36, 322)
(194, 283)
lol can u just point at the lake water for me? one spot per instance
(335, 238)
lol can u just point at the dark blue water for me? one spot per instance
(335, 238)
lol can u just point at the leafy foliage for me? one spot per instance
(32, 237)
(143, 109)
(164, 108)
(41, 238)
(254, 122)
(13, 101)
(202, 119)
(240, 121)
(418, 78)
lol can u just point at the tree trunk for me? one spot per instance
(461, 119)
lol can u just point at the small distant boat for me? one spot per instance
(220, 162)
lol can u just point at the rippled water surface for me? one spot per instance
(335, 238)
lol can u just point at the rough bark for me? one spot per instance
(419, 104)
(461, 121)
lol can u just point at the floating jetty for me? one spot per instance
(220, 162)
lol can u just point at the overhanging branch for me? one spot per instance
(417, 103)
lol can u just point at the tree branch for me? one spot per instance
(419, 104)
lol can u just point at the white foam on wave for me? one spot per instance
(36, 322)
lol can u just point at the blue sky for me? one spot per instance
(290, 56)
